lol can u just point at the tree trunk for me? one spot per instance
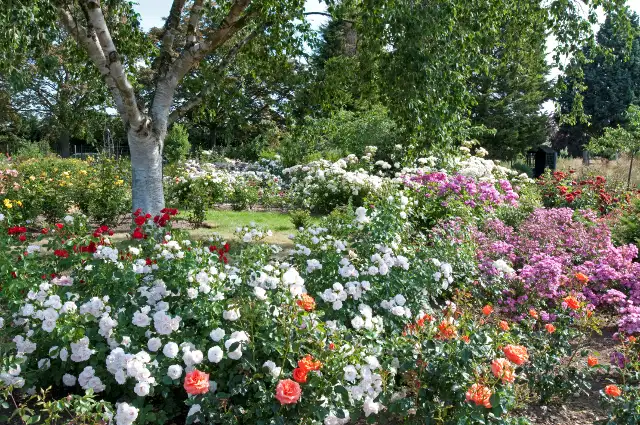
(64, 144)
(146, 166)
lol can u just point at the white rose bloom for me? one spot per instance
(154, 344)
(142, 389)
(126, 414)
(231, 315)
(370, 407)
(193, 410)
(215, 354)
(68, 380)
(217, 334)
(171, 350)
(260, 293)
(174, 371)
(350, 373)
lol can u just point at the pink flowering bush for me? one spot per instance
(556, 253)
(440, 195)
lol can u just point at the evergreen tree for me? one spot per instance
(612, 79)
(510, 95)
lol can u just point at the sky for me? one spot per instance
(153, 12)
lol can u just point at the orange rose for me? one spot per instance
(572, 303)
(300, 375)
(196, 382)
(306, 302)
(550, 328)
(613, 391)
(487, 310)
(465, 338)
(288, 391)
(480, 395)
(632, 339)
(501, 368)
(592, 361)
(516, 354)
(504, 325)
(308, 363)
(533, 313)
(582, 277)
(446, 330)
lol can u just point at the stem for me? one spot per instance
(630, 169)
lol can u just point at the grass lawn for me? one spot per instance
(225, 223)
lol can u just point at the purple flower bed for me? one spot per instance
(558, 252)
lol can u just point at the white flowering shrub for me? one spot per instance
(165, 327)
(323, 185)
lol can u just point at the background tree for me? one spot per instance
(64, 94)
(621, 139)
(612, 81)
(145, 96)
(509, 97)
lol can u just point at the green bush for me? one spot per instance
(523, 168)
(176, 145)
(628, 228)
(300, 218)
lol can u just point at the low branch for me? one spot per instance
(328, 15)
(135, 118)
(194, 20)
(230, 56)
(89, 43)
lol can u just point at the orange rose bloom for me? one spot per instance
(533, 313)
(306, 302)
(632, 339)
(465, 338)
(480, 395)
(300, 375)
(572, 303)
(196, 382)
(613, 391)
(516, 354)
(487, 310)
(288, 391)
(582, 277)
(550, 328)
(592, 361)
(504, 325)
(308, 363)
(501, 368)
(446, 330)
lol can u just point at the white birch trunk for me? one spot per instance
(146, 168)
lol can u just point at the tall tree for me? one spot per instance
(509, 96)
(61, 91)
(612, 80)
(145, 96)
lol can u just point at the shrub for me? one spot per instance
(176, 144)
(300, 218)
(627, 230)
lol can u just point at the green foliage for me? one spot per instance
(300, 218)
(612, 83)
(627, 229)
(339, 135)
(523, 168)
(176, 145)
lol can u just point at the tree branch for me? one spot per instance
(135, 118)
(189, 105)
(89, 42)
(194, 19)
(328, 15)
(165, 89)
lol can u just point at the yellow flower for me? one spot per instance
(83, 172)
(19, 203)
(32, 178)
(119, 182)
(7, 203)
